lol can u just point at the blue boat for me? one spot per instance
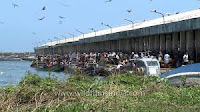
(187, 75)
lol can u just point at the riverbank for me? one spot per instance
(119, 92)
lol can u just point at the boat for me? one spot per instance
(41, 66)
(29, 58)
(9, 59)
(187, 75)
(90, 69)
(146, 66)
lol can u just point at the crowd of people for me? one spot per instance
(116, 58)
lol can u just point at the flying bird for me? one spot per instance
(34, 33)
(62, 36)
(63, 4)
(44, 8)
(177, 13)
(15, 5)
(41, 18)
(129, 10)
(1, 22)
(108, 1)
(61, 17)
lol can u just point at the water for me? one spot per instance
(11, 72)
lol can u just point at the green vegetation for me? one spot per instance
(127, 92)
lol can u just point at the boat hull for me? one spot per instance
(187, 79)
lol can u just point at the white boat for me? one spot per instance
(147, 66)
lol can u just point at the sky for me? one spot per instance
(20, 27)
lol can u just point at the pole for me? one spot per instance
(80, 32)
(95, 31)
(107, 26)
(71, 35)
(163, 16)
(130, 21)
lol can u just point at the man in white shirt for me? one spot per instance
(186, 58)
(166, 58)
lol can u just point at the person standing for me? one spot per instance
(160, 57)
(186, 58)
(178, 58)
(166, 58)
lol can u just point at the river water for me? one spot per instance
(11, 72)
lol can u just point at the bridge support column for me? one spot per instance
(156, 43)
(197, 41)
(151, 43)
(182, 41)
(190, 44)
(106, 46)
(168, 43)
(112, 45)
(118, 46)
(141, 45)
(175, 42)
(146, 43)
(133, 45)
(128, 45)
(124, 45)
(162, 43)
(137, 44)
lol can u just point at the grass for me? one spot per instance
(118, 92)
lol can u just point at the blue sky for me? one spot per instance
(16, 34)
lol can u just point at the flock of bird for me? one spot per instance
(15, 5)
(61, 18)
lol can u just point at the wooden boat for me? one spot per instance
(41, 66)
(91, 69)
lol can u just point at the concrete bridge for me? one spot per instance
(163, 34)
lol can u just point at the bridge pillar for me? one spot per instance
(96, 47)
(168, 43)
(61, 50)
(175, 42)
(190, 44)
(197, 47)
(90, 47)
(112, 45)
(156, 43)
(102, 46)
(79, 48)
(118, 47)
(133, 45)
(122, 45)
(128, 45)
(146, 43)
(137, 45)
(109, 44)
(182, 41)
(151, 43)
(162, 43)
(141, 45)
